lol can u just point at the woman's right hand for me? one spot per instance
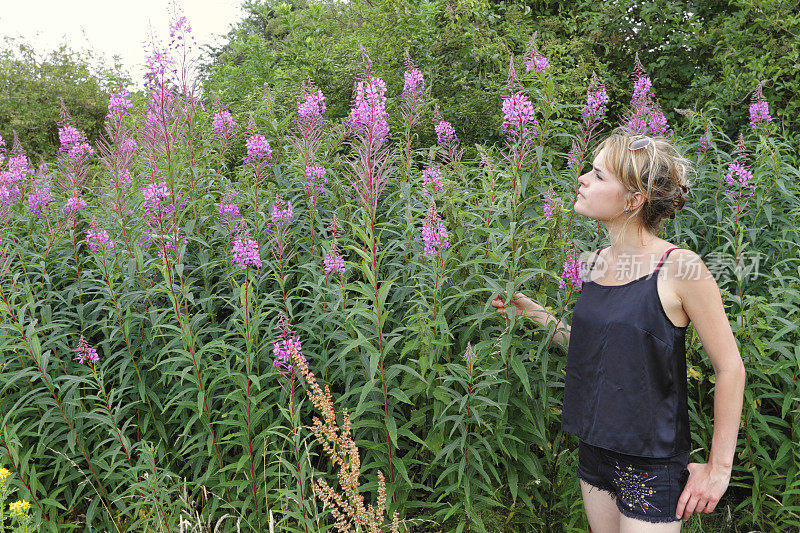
(519, 300)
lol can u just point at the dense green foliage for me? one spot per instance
(700, 53)
(31, 86)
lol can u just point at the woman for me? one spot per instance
(625, 386)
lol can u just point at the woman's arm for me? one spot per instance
(527, 307)
(701, 299)
(543, 317)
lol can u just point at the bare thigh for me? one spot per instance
(632, 525)
(601, 509)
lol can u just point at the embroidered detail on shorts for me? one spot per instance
(633, 489)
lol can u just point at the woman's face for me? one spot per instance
(600, 194)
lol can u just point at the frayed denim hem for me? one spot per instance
(611, 492)
(645, 518)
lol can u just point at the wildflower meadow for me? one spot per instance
(281, 321)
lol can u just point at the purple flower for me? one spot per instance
(229, 211)
(445, 132)
(153, 194)
(258, 149)
(759, 108)
(75, 204)
(434, 234)
(638, 124)
(9, 193)
(282, 214)
(67, 136)
(80, 150)
(537, 62)
(73, 143)
(518, 117)
(246, 253)
(551, 201)
(414, 83)
(596, 100)
(572, 156)
(18, 170)
(97, 239)
(369, 110)
(315, 178)
(119, 105)
(646, 113)
(85, 352)
(40, 197)
(702, 143)
(739, 178)
(431, 176)
(572, 272)
(224, 126)
(283, 350)
(657, 121)
(128, 145)
(333, 260)
(19, 166)
(179, 27)
(311, 107)
(641, 88)
(160, 67)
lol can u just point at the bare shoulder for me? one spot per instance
(688, 274)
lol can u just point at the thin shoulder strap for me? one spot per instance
(663, 257)
(595, 258)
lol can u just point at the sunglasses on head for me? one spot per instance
(636, 144)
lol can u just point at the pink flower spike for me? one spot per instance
(282, 212)
(224, 126)
(246, 253)
(572, 272)
(538, 63)
(98, 239)
(258, 150)
(445, 132)
(86, 353)
(315, 178)
(282, 350)
(75, 204)
(431, 176)
(333, 260)
(434, 235)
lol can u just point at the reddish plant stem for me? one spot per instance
(296, 452)
(111, 415)
(466, 436)
(124, 334)
(249, 430)
(57, 399)
(380, 337)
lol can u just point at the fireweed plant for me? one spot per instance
(198, 285)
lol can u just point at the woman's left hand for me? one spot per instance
(704, 488)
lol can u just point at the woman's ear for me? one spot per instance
(637, 200)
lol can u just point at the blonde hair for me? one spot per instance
(658, 171)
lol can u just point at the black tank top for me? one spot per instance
(625, 387)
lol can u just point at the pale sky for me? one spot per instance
(113, 27)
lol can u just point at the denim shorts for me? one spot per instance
(645, 488)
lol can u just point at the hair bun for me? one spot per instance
(678, 201)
